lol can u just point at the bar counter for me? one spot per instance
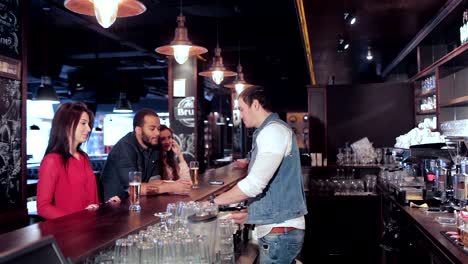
(430, 230)
(81, 234)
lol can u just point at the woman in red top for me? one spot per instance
(66, 180)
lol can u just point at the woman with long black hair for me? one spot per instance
(67, 183)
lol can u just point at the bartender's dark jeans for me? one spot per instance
(281, 248)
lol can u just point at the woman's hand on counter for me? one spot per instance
(92, 207)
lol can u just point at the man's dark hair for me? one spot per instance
(256, 93)
(139, 118)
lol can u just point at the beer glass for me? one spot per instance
(194, 174)
(134, 188)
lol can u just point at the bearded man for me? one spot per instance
(137, 151)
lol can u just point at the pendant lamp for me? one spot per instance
(106, 11)
(46, 92)
(181, 47)
(123, 104)
(217, 71)
(239, 84)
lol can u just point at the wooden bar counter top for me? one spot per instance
(431, 230)
(81, 234)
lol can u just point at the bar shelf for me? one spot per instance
(459, 101)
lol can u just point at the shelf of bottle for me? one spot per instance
(426, 112)
(426, 93)
(460, 101)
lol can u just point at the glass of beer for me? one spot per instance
(134, 188)
(194, 174)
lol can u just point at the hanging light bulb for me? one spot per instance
(239, 87)
(369, 54)
(217, 77)
(106, 11)
(217, 71)
(181, 53)
(181, 47)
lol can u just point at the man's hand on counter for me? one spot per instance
(114, 199)
(182, 186)
(150, 188)
(239, 217)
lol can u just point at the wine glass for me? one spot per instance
(378, 153)
(163, 223)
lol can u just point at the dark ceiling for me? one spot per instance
(73, 48)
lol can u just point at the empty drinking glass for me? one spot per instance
(125, 252)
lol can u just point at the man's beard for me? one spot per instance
(147, 142)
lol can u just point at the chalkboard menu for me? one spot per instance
(10, 28)
(10, 143)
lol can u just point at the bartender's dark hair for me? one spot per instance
(65, 121)
(169, 158)
(139, 118)
(256, 93)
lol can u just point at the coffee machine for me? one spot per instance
(444, 169)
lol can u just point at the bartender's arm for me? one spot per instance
(271, 150)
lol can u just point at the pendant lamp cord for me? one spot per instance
(181, 13)
(217, 33)
(217, 24)
(238, 51)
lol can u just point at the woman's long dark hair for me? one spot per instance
(167, 158)
(66, 119)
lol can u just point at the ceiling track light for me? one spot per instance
(343, 45)
(350, 18)
(106, 11)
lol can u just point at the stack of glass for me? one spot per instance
(173, 241)
(226, 244)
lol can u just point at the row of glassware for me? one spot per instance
(341, 186)
(346, 157)
(428, 83)
(428, 103)
(174, 240)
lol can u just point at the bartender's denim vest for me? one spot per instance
(283, 198)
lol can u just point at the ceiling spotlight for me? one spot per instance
(369, 56)
(342, 45)
(350, 18)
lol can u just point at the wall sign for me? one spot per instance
(184, 111)
(10, 68)
(10, 28)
